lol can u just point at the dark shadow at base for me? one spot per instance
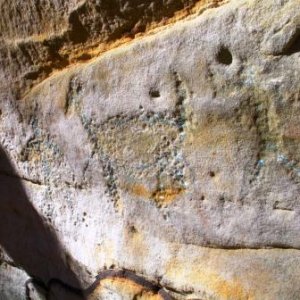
(25, 235)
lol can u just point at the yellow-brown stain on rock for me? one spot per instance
(135, 243)
(138, 190)
(134, 147)
(203, 274)
(210, 281)
(166, 196)
(125, 288)
(105, 252)
(220, 135)
(161, 196)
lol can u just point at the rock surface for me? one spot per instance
(167, 167)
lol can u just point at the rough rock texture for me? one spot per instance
(166, 168)
(40, 36)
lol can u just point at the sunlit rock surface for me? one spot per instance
(165, 168)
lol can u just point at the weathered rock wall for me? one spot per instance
(168, 167)
(40, 37)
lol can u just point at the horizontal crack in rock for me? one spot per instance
(32, 181)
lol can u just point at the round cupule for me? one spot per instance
(211, 174)
(224, 56)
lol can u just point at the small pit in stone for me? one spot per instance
(154, 93)
(212, 174)
(224, 56)
(132, 229)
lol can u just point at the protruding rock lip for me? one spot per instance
(74, 45)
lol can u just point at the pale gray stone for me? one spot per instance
(176, 156)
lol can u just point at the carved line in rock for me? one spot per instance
(292, 43)
(32, 181)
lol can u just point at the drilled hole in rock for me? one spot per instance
(224, 56)
(212, 174)
(154, 93)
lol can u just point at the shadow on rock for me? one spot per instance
(28, 239)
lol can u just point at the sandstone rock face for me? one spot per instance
(39, 37)
(165, 168)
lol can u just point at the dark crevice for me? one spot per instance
(71, 290)
(33, 75)
(9, 263)
(185, 292)
(278, 207)
(40, 286)
(293, 45)
(238, 247)
(78, 33)
(13, 175)
(155, 288)
(53, 47)
(132, 276)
